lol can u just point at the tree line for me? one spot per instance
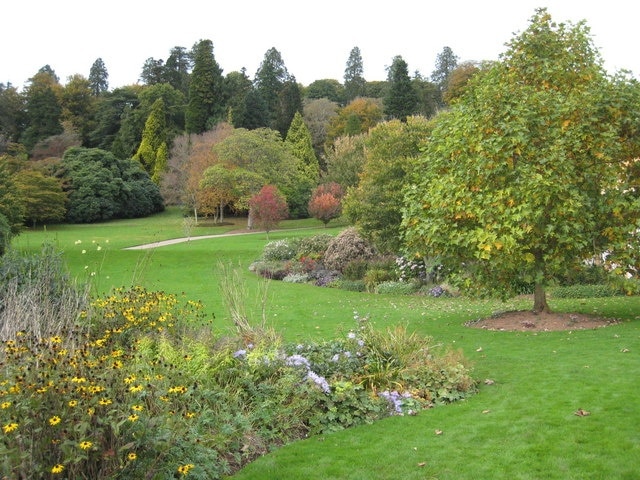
(163, 125)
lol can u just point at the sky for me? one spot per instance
(313, 38)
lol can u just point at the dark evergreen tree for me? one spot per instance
(290, 104)
(446, 62)
(401, 99)
(237, 87)
(256, 114)
(98, 78)
(102, 187)
(177, 69)
(153, 71)
(206, 104)
(354, 82)
(269, 82)
(110, 112)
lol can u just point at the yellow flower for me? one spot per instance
(105, 401)
(5, 405)
(55, 339)
(189, 415)
(133, 418)
(55, 420)
(10, 427)
(184, 469)
(57, 468)
(132, 456)
(135, 388)
(73, 403)
(130, 379)
(137, 408)
(86, 445)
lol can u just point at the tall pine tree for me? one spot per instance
(354, 82)
(401, 99)
(269, 81)
(98, 78)
(206, 104)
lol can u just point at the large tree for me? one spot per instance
(44, 111)
(270, 80)
(446, 62)
(177, 69)
(79, 106)
(354, 82)
(206, 104)
(375, 204)
(401, 99)
(153, 151)
(526, 176)
(98, 78)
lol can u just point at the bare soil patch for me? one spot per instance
(527, 321)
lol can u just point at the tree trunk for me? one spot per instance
(540, 304)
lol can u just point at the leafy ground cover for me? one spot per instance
(525, 422)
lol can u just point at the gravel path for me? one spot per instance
(173, 241)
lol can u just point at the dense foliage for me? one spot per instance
(102, 187)
(528, 174)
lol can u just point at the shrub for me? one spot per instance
(375, 276)
(398, 288)
(347, 246)
(284, 249)
(313, 246)
(351, 285)
(355, 269)
(296, 278)
(274, 270)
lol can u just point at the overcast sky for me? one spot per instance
(313, 37)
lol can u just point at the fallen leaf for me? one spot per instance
(479, 349)
(486, 411)
(488, 381)
(422, 464)
(438, 432)
(581, 413)
(625, 350)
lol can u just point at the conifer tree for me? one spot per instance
(269, 81)
(206, 104)
(98, 78)
(153, 152)
(401, 99)
(299, 140)
(354, 82)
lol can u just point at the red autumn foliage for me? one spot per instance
(268, 207)
(326, 202)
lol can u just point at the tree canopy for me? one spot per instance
(526, 175)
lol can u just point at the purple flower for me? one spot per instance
(298, 361)
(320, 381)
(395, 400)
(239, 354)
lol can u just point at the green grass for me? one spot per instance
(521, 427)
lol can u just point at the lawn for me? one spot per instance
(521, 425)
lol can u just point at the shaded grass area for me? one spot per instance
(522, 426)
